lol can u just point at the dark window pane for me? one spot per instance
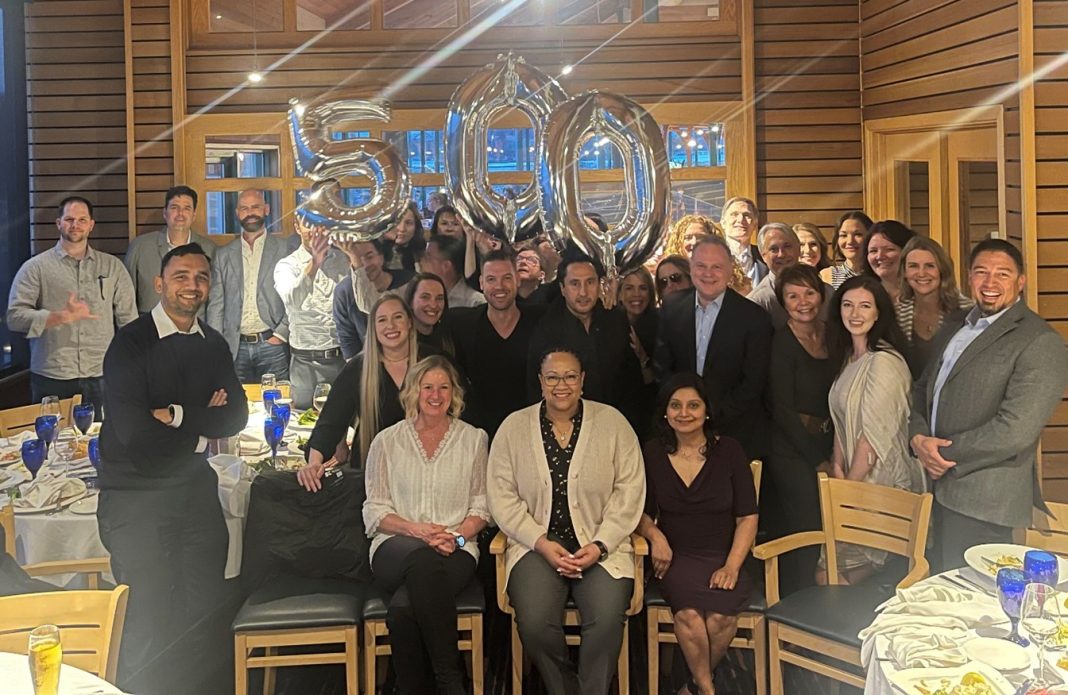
(241, 156)
(424, 150)
(221, 211)
(600, 153)
(696, 145)
(510, 149)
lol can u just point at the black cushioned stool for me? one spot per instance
(291, 611)
(470, 606)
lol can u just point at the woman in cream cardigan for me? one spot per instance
(566, 480)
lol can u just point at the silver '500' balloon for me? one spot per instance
(326, 161)
(507, 83)
(624, 123)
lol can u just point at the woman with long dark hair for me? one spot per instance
(700, 520)
(848, 242)
(407, 240)
(429, 300)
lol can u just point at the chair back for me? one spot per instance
(7, 523)
(254, 392)
(90, 625)
(22, 418)
(756, 467)
(874, 516)
(1049, 533)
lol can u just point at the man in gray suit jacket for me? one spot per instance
(146, 251)
(978, 411)
(243, 304)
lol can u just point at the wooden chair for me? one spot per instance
(470, 605)
(90, 625)
(660, 626)
(1049, 532)
(571, 615)
(254, 392)
(21, 419)
(92, 568)
(825, 620)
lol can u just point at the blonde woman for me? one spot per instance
(425, 506)
(366, 393)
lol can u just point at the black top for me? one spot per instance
(351, 322)
(561, 528)
(800, 384)
(144, 373)
(613, 375)
(342, 407)
(645, 327)
(495, 367)
(547, 293)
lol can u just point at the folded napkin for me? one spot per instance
(49, 490)
(251, 444)
(13, 444)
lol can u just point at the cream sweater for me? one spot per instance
(605, 488)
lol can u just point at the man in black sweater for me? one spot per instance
(171, 388)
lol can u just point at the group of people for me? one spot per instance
(516, 387)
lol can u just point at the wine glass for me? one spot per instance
(1039, 616)
(33, 455)
(267, 381)
(273, 427)
(1040, 567)
(319, 396)
(83, 416)
(283, 408)
(1011, 585)
(47, 429)
(50, 406)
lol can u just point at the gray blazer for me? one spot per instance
(228, 285)
(993, 406)
(143, 258)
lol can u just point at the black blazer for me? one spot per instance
(736, 365)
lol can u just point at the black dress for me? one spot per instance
(802, 438)
(699, 523)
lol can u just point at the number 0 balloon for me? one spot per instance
(624, 123)
(507, 83)
(326, 161)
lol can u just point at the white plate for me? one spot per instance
(12, 477)
(29, 511)
(974, 557)
(87, 505)
(908, 679)
(999, 653)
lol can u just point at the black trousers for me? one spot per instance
(169, 546)
(90, 388)
(538, 595)
(422, 613)
(956, 532)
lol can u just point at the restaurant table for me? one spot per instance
(881, 667)
(62, 535)
(16, 680)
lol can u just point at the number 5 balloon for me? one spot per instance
(647, 184)
(326, 161)
(507, 83)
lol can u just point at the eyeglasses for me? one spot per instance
(553, 380)
(674, 278)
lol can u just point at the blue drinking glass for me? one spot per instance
(269, 397)
(83, 416)
(94, 453)
(1041, 567)
(283, 410)
(1011, 586)
(33, 455)
(273, 428)
(47, 428)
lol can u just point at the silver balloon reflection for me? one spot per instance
(608, 118)
(508, 83)
(326, 162)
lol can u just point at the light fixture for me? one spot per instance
(566, 70)
(218, 16)
(715, 129)
(255, 76)
(700, 131)
(691, 143)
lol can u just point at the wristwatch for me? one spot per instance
(604, 551)
(460, 540)
(170, 409)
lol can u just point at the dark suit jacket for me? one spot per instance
(736, 365)
(993, 406)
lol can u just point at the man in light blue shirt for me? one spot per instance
(705, 313)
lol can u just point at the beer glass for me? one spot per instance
(46, 655)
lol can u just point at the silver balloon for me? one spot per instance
(616, 119)
(507, 83)
(326, 161)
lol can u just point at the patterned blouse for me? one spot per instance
(561, 529)
(841, 272)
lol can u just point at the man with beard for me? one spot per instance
(244, 305)
(171, 387)
(147, 250)
(68, 301)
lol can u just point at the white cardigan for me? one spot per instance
(605, 487)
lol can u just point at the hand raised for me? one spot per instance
(218, 399)
(77, 310)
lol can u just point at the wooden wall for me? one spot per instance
(1051, 134)
(77, 128)
(808, 116)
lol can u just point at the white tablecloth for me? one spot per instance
(16, 680)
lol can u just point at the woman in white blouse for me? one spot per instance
(426, 504)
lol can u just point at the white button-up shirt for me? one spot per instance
(250, 269)
(704, 323)
(309, 301)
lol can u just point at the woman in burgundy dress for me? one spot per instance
(700, 520)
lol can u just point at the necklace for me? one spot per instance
(399, 359)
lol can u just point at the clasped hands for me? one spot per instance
(567, 564)
(928, 451)
(436, 536)
(217, 400)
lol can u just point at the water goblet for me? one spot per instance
(1039, 616)
(50, 405)
(267, 381)
(47, 429)
(83, 416)
(1011, 584)
(33, 455)
(94, 453)
(273, 427)
(269, 397)
(283, 408)
(1040, 567)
